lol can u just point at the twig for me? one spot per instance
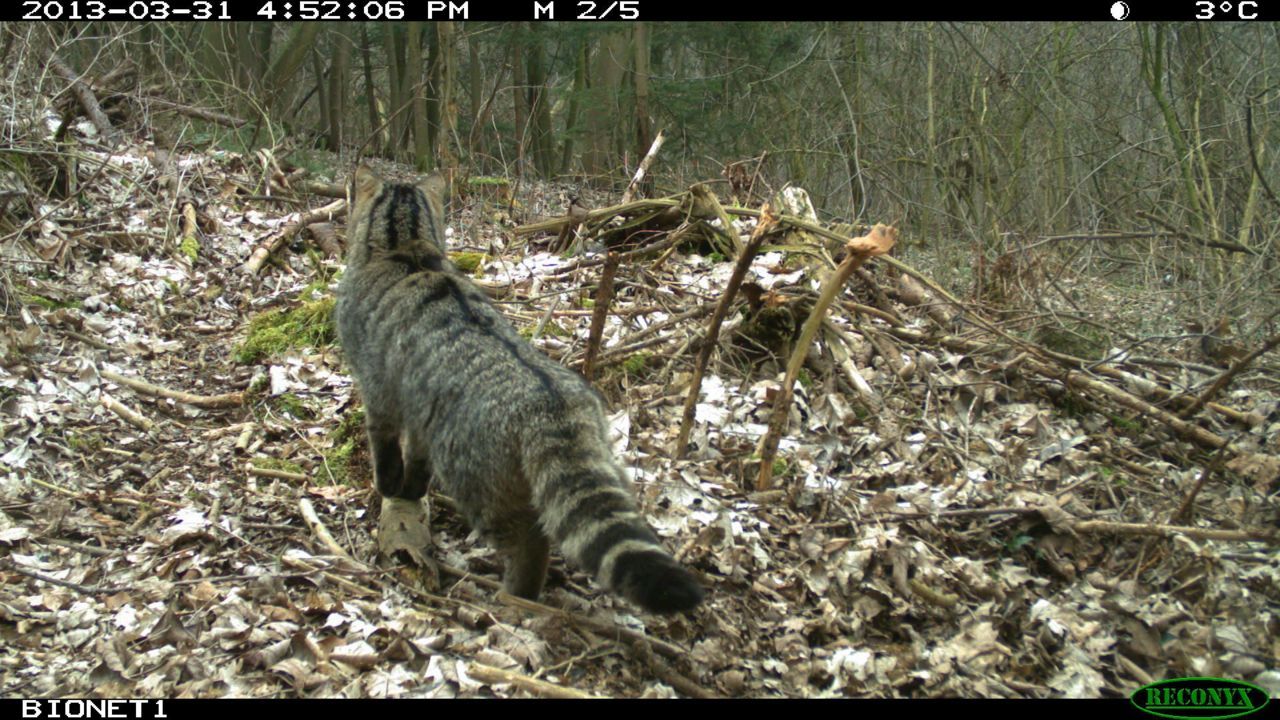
(227, 400)
(1226, 377)
(604, 298)
(604, 629)
(1247, 535)
(633, 340)
(967, 512)
(53, 487)
(1215, 466)
(1207, 242)
(643, 644)
(878, 242)
(768, 221)
(79, 547)
(277, 474)
(82, 589)
(130, 416)
(668, 675)
(644, 167)
(542, 688)
(320, 531)
(1080, 382)
(200, 113)
(350, 586)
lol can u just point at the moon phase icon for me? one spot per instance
(1119, 10)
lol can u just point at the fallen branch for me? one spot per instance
(280, 238)
(604, 298)
(706, 203)
(199, 113)
(878, 242)
(227, 400)
(644, 168)
(1227, 376)
(555, 224)
(325, 238)
(82, 589)
(541, 688)
(1079, 381)
(127, 414)
(633, 340)
(276, 474)
(1120, 528)
(320, 531)
(332, 577)
(768, 221)
(604, 629)
(84, 95)
(1163, 394)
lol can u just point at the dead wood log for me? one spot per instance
(325, 238)
(706, 203)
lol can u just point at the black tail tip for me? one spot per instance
(657, 584)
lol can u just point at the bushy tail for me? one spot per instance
(589, 511)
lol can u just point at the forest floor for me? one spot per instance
(955, 511)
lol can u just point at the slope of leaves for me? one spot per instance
(923, 538)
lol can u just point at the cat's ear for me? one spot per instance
(435, 187)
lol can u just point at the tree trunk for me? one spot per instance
(475, 136)
(301, 41)
(518, 100)
(397, 99)
(571, 120)
(339, 71)
(370, 92)
(603, 109)
(539, 106)
(446, 91)
(416, 88)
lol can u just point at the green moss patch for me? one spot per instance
(272, 332)
(636, 364)
(468, 262)
(276, 464)
(190, 248)
(345, 442)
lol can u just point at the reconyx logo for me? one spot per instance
(1199, 698)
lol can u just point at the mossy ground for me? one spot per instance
(271, 333)
(345, 444)
(268, 463)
